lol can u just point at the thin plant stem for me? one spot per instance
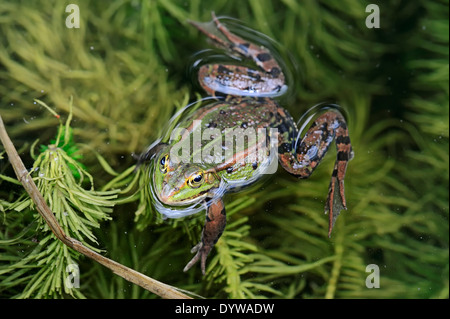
(150, 284)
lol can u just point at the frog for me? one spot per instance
(244, 98)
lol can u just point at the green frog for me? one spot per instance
(244, 108)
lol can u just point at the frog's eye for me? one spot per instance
(164, 163)
(195, 180)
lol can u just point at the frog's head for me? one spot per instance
(179, 184)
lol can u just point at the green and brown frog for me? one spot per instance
(209, 169)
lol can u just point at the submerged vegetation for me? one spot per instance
(125, 69)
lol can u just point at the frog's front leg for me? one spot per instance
(214, 225)
(300, 158)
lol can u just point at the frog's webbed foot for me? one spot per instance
(149, 153)
(222, 37)
(336, 198)
(336, 191)
(214, 226)
(202, 253)
(217, 33)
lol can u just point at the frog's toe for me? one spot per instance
(192, 262)
(196, 248)
(202, 252)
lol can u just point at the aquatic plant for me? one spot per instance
(60, 178)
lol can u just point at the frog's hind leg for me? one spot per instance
(260, 55)
(214, 225)
(302, 157)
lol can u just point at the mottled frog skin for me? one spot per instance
(246, 103)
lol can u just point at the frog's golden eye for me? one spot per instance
(195, 180)
(164, 163)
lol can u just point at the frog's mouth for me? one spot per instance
(168, 196)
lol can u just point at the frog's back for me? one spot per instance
(233, 137)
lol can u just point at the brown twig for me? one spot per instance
(157, 287)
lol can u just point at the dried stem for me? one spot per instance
(157, 287)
